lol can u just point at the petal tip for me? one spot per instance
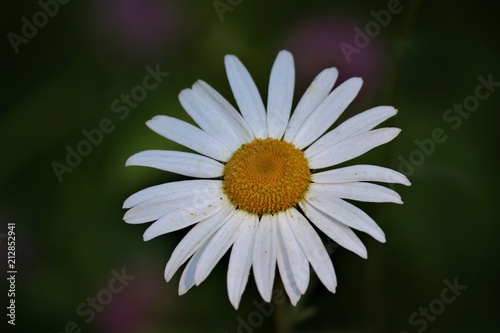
(356, 80)
(129, 218)
(235, 303)
(148, 235)
(333, 71)
(182, 290)
(131, 160)
(285, 53)
(230, 58)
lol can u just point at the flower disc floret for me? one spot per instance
(266, 176)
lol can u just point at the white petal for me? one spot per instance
(365, 121)
(182, 163)
(197, 209)
(157, 207)
(171, 189)
(241, 260)
(195, 238)
(232, 116)
(360, 123)
(344, 212)
(280, 96)
(327, 112)
(218, 245)
(313, 248)
(351, 148)
(264, 255)
(190, 136)
(187, 277)
(360, 191)
(337, 231)
(361, 172)
(285, 269)
(294, 262)
(209, 117)
(247, 96)
(314, 95)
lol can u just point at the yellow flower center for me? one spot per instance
(266, 176)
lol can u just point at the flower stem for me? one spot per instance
(281, 318)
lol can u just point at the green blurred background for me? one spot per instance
(70, 237)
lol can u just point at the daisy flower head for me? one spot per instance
(262, 178)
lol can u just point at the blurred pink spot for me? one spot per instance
(136, 27)
(315, 44)
(139, 304)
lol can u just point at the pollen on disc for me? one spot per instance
(266, 176)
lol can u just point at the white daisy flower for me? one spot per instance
(259, 186)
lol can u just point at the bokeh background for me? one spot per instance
(70, 237)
